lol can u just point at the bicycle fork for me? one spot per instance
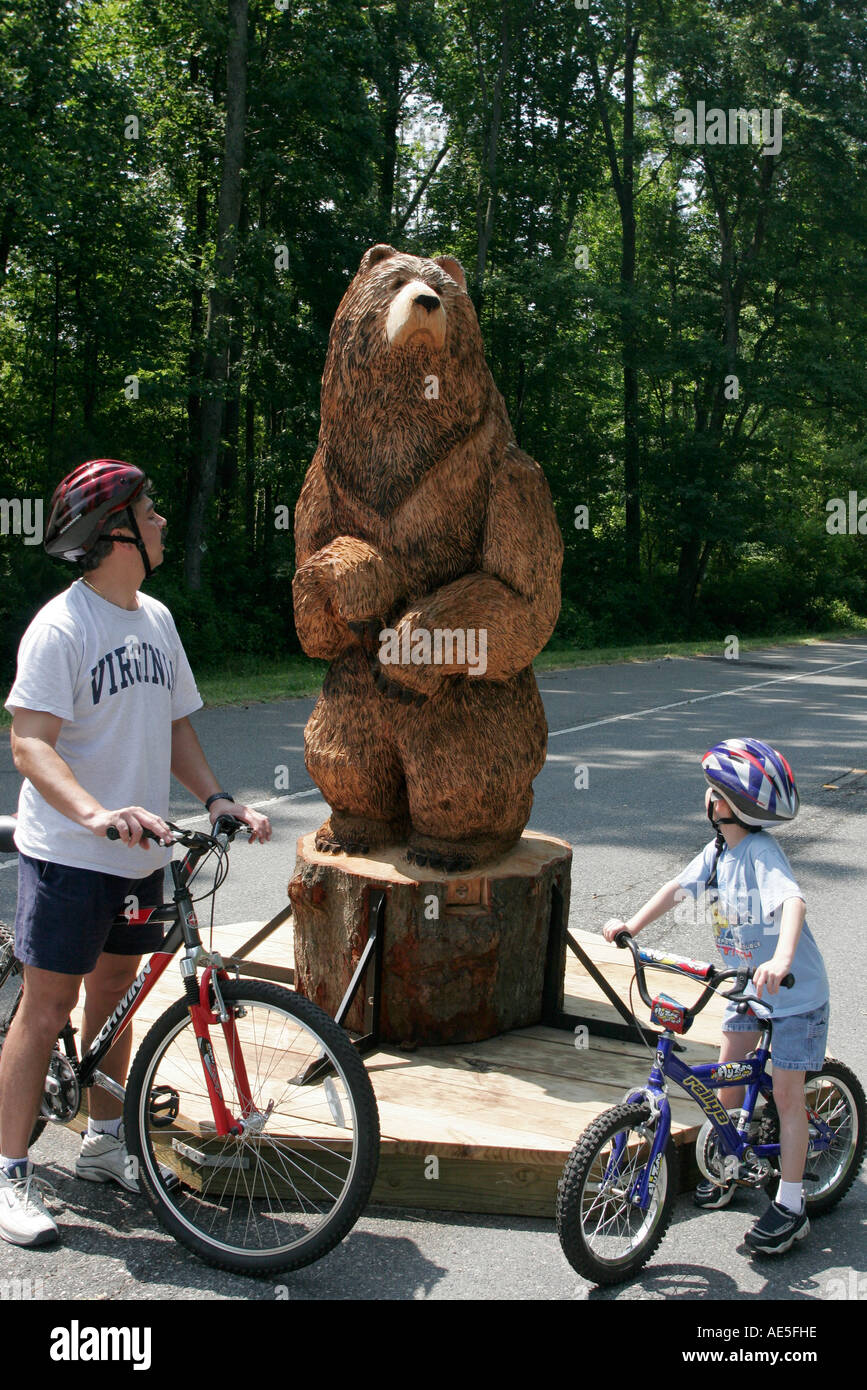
(202, 1017)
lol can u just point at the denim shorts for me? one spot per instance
(798, 1041)
(65, 917)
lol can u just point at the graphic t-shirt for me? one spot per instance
(754, 880)
(117, 678)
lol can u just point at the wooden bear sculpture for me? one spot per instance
(428, 574)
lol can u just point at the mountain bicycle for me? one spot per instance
(615, 1199)
(250, 1121)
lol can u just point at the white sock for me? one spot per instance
(111, 1127)
(789, 1195)
(7, 1164)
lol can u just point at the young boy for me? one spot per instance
(759, 922)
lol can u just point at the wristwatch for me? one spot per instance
(218, 796)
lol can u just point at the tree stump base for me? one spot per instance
(464, 955)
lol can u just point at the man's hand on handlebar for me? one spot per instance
(260, 826)
(130, 822)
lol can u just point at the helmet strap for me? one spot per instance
(137, 542)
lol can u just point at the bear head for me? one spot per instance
(405, 378)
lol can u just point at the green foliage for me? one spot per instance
(745, 265)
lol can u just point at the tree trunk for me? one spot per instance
(625, 191)
(487, 194)
(219, 299)
(464, 956)
(6, 238)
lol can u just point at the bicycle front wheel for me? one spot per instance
(604, 1236)
(289, 1187)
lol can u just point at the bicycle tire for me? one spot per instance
(11, 985)
(261, 1169)
(586, 1169)
(837, 1095)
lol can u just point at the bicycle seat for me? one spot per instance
(7, 830)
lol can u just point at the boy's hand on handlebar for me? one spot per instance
(130, 822)
(613, 927)
(771, 974)
(260, 826)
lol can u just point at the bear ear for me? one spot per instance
(374, 255)
(452, 268)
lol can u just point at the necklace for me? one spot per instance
(102, 595)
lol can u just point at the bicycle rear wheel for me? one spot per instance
(288, 1188)
(836, 1097)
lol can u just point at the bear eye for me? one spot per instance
(399, 283)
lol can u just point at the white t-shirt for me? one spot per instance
(117, 678)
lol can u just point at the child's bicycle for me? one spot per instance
(616, 1196)
(250, 1121)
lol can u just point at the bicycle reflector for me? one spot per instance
(668, 1014)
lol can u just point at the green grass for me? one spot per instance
(255, 680)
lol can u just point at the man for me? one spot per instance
(100, 706)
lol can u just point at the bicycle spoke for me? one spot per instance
(272, 1186)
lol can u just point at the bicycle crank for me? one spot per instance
(62, 1095)
(720, 1168)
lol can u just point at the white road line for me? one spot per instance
(697, 699)
(254, 805)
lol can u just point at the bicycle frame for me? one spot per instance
(700, 1083)
(184, 932)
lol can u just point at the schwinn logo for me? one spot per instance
(131, 994)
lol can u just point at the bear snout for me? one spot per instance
(416, 317)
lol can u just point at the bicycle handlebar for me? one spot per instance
(191, 839)
(710, 973)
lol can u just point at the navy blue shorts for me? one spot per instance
(65, 917)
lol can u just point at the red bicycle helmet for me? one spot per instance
(86, 500)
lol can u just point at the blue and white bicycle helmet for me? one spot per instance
(753, 779)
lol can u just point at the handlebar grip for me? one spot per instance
(787, 981)
(622, 939)
(112, 833)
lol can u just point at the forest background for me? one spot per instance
(187, 187)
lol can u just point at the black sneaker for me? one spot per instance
(709, 1196)
(777, 1231)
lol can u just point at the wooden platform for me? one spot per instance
(501, 1116)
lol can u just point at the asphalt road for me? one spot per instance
(639, 730)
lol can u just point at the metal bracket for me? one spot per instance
(553, 1016)
(373, 951)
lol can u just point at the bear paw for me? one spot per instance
(391, 689)
(450, 863)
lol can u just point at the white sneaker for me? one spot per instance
(105, 1159)
(23, 1217)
